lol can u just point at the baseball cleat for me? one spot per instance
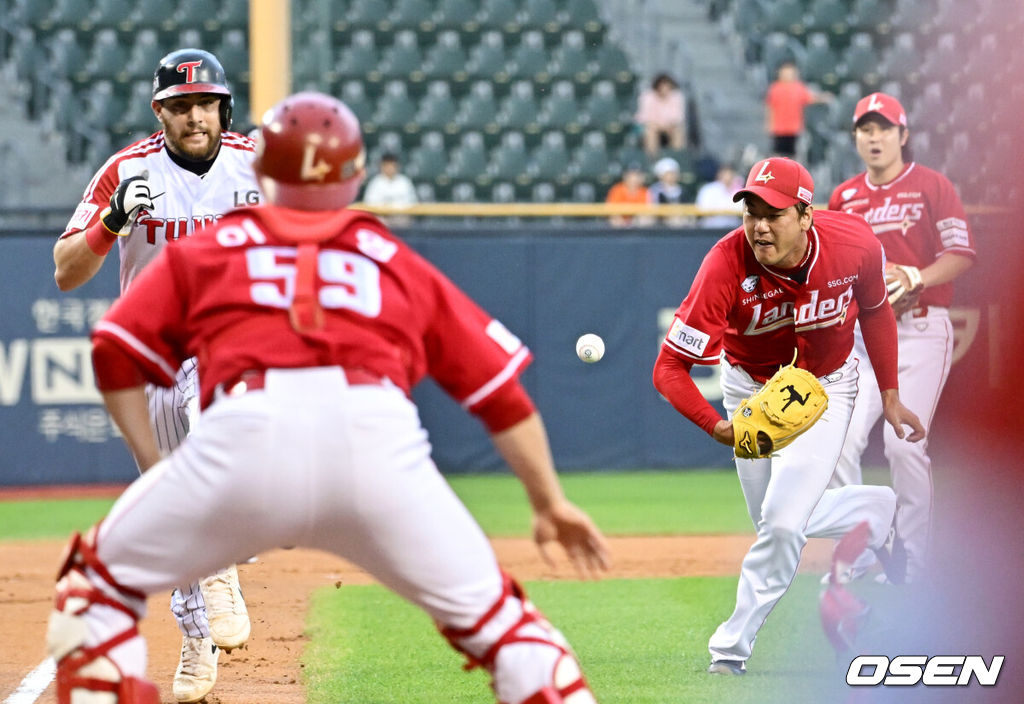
(850, 574)
(727, 667)
(197, 669)
(225, 609)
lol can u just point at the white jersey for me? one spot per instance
(182, 202)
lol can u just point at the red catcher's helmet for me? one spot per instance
(309, 153)
(189, 71)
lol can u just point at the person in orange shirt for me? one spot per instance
(784, 108)
(630, 189)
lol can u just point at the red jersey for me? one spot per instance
(917, 217)
(223, 295)
(759, 316)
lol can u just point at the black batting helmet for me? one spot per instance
(187, 71)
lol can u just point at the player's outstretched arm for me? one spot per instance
(525, 448)
(897, 415)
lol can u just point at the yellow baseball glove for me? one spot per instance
(787, 405)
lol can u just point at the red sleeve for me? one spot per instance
(95, 199)
(834, 200)
(699, 326)
(879, 329)
(115, 369)
(504, 408)
(673, 381)
(951, 220)
(870, 289)
(146, 323)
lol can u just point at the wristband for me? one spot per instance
(100, 239)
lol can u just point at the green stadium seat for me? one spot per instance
(570, 60)
(463, 192)
(584, 192)
(36, 15)
(543, 192)
(488, 58)
(560, 110)
(478, 110)
(510, 159)
(873, 16)
(234, 14)
(426, 192)
(777, 49)
(160, 16)
(353, 93)
(830, 17)
(138, 115)
(787, 16)
(233, 53)
(461, 16)
(447, 58)
(360, 57)
(612, 63)
(428, 161)
(108, 56)
(28, 56)
(604, 110)
(67, 57)
(590, 160)
(403, 59)
(145, 54)
(903, 59)
(584, 15)
(359, 15)
(395, 109)
(549, 161)
(519, 110)
(72, 14)
(542, 15)
(437, 108)
(313, 60)
(469, 159)
(502, 15)
(819, 62)
(530, 59)
(860, 62)
(116, 14)
(414, 15)
(103, 106)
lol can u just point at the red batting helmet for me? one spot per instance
(309, 153)
(189, 71)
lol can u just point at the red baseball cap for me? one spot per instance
(883, 104)
(779, 182)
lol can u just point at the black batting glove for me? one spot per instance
(131, 196)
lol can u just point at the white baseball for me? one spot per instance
(590, 348)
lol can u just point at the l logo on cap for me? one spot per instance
(764, 175)
(874, 103)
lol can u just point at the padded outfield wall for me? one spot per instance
(547, 284)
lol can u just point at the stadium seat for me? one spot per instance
(447, 58)
(428, 161)
(819, 62)
(570, 60)
(542, 15)
(549, 161)
(313, 63)
(861, 62)
(830, 17)
(819, 119)
(519, 109)
(353, 94)
(945, 58)
(160, 16)
(786, 16)
(502, 15)
(437, 108)
(414, 15)
(463, 193)
(779, 48)
(871, 16)
(530, 58)
(915, 17)
(426, 193)
(846, 103)
(108, 56)
(459, 15)
(510, 159)
(34, 14)
(903, 59)
(503, 192)
(560, 110)
(28, 57)
(146, 52)
(469, 158)
(67, 57)
(72, 14)
(478, 110)
(611, 62)
(488, 58)
(138, 114)
(233, 52)
(360, 57)
(403, 59)
(234, 14)
(604, 110)
(115, 14)
(395, 109)
(590, 160)
(543, 192)
(584, 192)
(103, 106)
(584, 15)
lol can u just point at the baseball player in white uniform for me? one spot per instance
(917, 216)
(153, 192)
(789, 278)
(312, 322)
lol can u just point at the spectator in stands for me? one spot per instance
(717, 195)
(784, 108)
(391, 188)
(630, 190)
(661, 112)
(667, 190)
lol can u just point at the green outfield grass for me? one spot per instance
(641, 641)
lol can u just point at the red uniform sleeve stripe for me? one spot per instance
(136, 345)
(513, 366)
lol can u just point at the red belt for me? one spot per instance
(255, 379)
(919, 312)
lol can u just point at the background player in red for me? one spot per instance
(788, 279)
(918, 218)
(155, 191)
(312, 322)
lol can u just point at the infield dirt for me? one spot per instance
(277, 589)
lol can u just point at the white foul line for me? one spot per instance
(34, 683)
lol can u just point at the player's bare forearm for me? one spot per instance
(897, 415)
(944, 269)
(525, 448)
(75, 262)
(130, 410)
(724, 433)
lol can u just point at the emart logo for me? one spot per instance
(935, 671)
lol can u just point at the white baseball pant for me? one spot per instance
(788, 502)
(925, 356)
